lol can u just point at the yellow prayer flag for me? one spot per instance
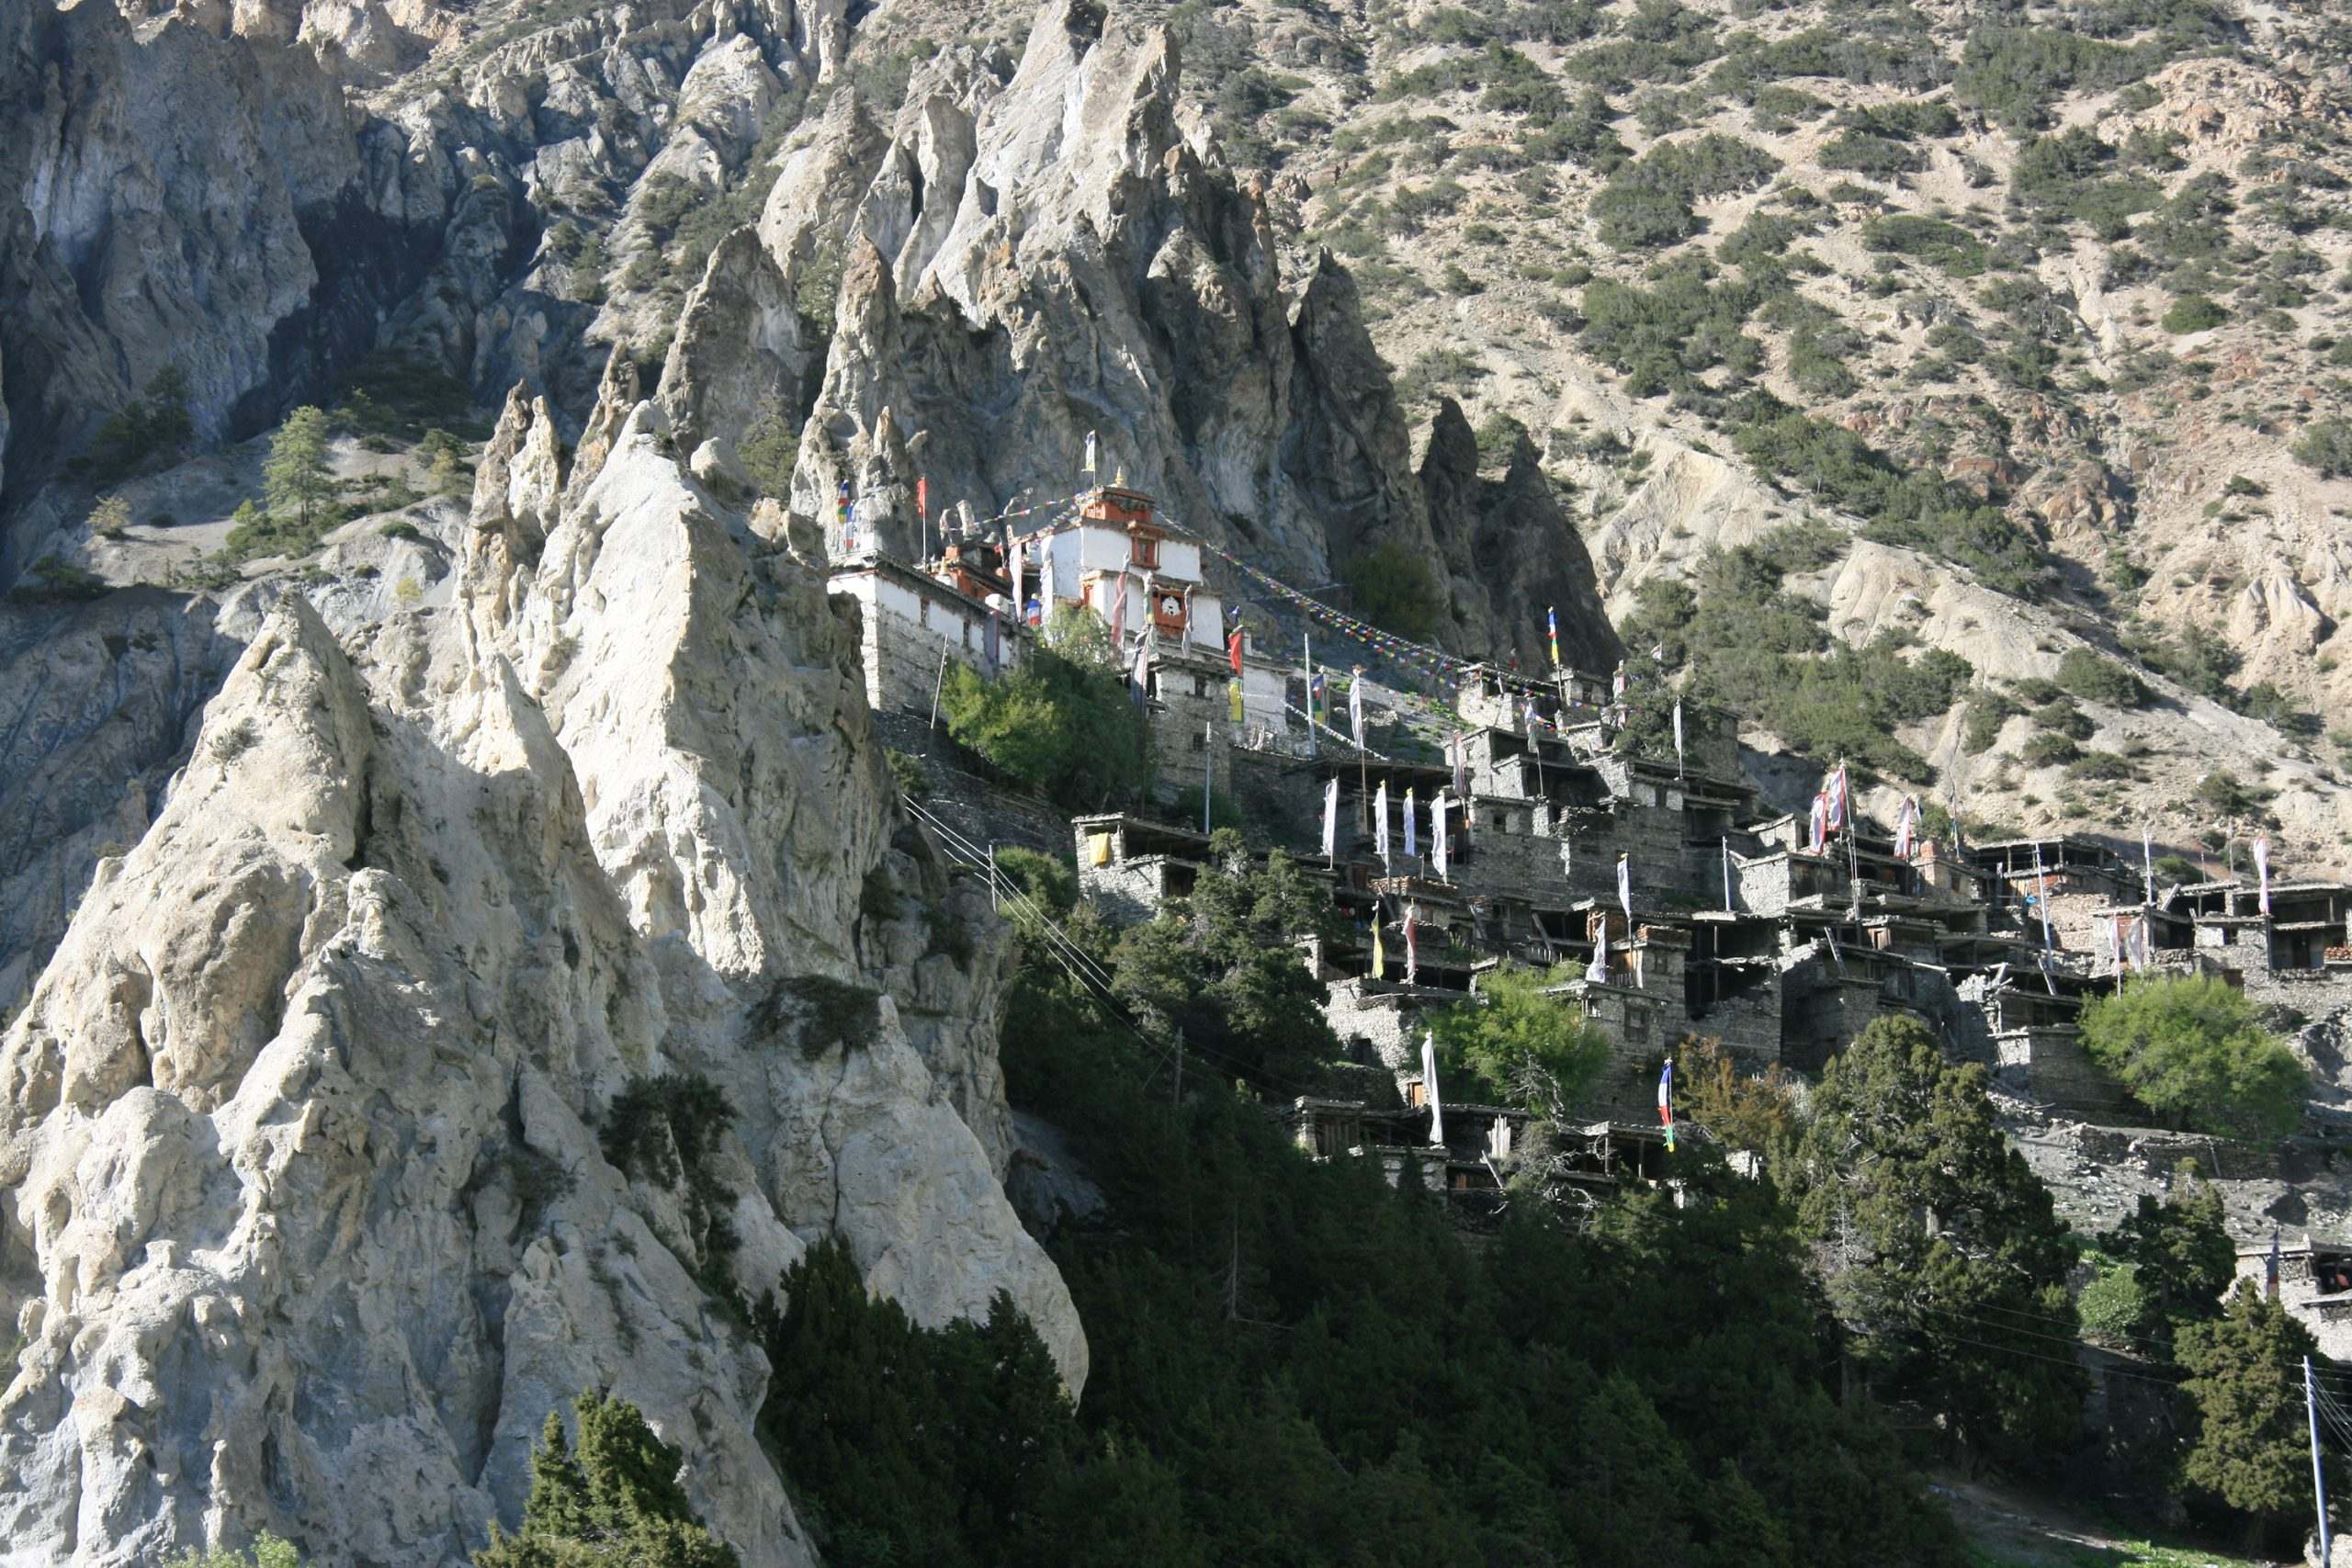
(1233, 700)
(1098, 849)
(1379, 955)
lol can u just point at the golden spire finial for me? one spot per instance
(1119, 475)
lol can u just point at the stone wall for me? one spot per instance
(904, 624)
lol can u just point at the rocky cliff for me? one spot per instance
(320, 1186)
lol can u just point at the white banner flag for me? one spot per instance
(2148, 862)
(1597, 971)
(1412, 833)
(1437, 832)
(1380, 823)
(1678, 737)
(1626, 887)
(1428, 1082)
(1332, 820)
(1355, 705)
(2262, 870)
(1090, 452)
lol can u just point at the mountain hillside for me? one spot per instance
(2024, 322)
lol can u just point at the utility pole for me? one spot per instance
(939, 682)
(2319, 1477)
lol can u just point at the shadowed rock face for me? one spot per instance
(301, 1182)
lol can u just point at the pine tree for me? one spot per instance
(1942, 1249)
(2251, 1451)
(615, 1502)
(2183, 1258)
(110, 516)
(295, 474)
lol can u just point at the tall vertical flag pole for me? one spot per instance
(2319, 1476)
(1208, 770)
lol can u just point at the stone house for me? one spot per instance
(2314, 1286)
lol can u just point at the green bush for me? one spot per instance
(2326, 445)
(1517, 1044)
(1050, 880)
(666, 1129)
(154, 426)
(2112, 1306)
(1063, 726)
(2095, 680)
(268, 1551)
(1945, 246)
(2193, 1050)
(823, 1012)
(1987, 711)
(1393, 586)
(1648, 204)
(2194, 313)
(55, 581)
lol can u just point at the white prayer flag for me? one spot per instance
(1906, 827)
(1428, 1082)
(1816, 837)
(2262, 870)
(1089, 451)
(1332, 820)
(2139, 942)
(1678, 737)
(2148, 862)
(1355, 705)
(1726, 876)
(1437, 832)
(2041, 895)
(1626, 887)
(1013, 553)
(1139, 677)
(1412, 944)
(1597, 971)
(1412, 834)
(1380, 823)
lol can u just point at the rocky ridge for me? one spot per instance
(313, 1206)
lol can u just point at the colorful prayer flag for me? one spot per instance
(1552, 630)
(1665, 1102)
(1233, 650)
